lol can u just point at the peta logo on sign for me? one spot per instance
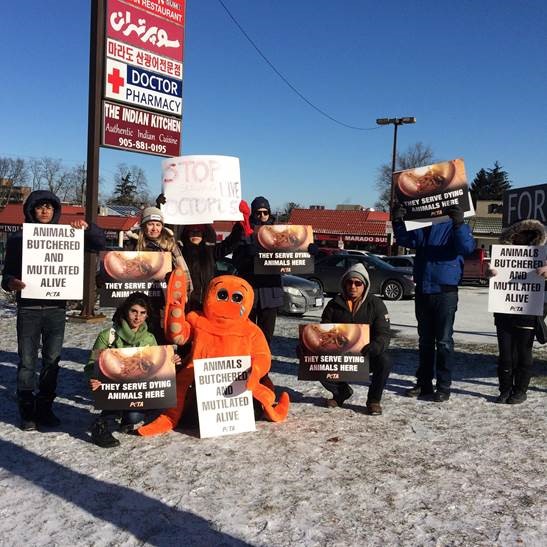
(143, 88)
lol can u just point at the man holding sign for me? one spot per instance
(355, 304)
(40, 319)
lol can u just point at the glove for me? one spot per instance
(456, 214)
(398, 213)
(365, 350)
(160, 200)
(209, 234)
(245, 210)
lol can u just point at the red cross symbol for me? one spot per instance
(115, 80)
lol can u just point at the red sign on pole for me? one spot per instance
(169, 9)
(144, 30)
(138, 130)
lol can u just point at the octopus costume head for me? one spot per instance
(229, 298)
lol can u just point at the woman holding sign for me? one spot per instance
(155, 236)
(129, 329)
(516, 332)
(355, 304)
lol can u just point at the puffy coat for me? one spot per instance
(440, 249)
(119, 336)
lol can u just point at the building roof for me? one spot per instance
(485, 225)
(331, 221)
(12, 215)
(124, 210)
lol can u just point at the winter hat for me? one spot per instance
(151, 213)
(357, 271)
(260, 202)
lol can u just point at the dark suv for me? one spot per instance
(386, 280)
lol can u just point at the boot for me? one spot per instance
(101, 435)
(505, 378)
(517, 397)
(44, 415)
(25, 401)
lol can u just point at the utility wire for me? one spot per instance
(270, 64)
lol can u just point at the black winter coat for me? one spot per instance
(372, 312)
(201, 260)
(94, 240)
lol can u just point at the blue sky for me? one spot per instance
(473, 73)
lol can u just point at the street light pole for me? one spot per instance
(396, 122)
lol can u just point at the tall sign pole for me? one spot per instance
(96, 71)
(135, 92)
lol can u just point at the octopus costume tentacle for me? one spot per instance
(223, 329)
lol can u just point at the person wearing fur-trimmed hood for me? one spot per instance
(356, 304)
(516, 333)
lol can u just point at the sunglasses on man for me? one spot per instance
(262, 213)
(355, 282)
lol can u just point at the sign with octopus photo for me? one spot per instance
(126, 272)
(332, 351)
(283, 248)
(426, 192)
(225, 405)
(135, 378)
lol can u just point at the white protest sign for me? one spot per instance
(53, 262)
(225, 405)
(516, 288)
(201, 189)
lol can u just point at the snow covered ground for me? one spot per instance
(466, 472)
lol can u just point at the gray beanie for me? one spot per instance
(151, 213)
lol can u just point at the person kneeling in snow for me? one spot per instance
(129, 329)
(355, 304)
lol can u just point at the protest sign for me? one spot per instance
(201, 189)
(332, 351)
(516, 288)
(53, 259)
(283, 249)
(225, 405)
(417, 224)
(125, 272)
(135, 378)
(426, 192)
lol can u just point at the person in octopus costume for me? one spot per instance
(222, 329)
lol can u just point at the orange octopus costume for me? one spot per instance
(222, 330)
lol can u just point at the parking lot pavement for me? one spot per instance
(473, 325)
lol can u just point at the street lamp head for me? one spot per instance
(396, 121)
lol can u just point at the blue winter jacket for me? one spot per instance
(440, 249)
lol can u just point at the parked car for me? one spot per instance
(385, 280)
(400, 261)
(299, 295)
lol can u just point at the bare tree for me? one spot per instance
(415, 155)
(77, 179)
(15, 170)
(284, 214)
